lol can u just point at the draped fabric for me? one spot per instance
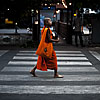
(45, 47)
(46, 63)
(42, 30)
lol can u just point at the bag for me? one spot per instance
(45, 49)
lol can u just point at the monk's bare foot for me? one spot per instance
(33, 73)
(58, 76)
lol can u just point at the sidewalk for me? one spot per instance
(61, 45)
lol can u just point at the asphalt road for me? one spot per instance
(80, 68)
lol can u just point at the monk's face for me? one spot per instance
(50, 22)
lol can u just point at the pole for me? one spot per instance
(32, 14)
(38, 26)
(15, 28)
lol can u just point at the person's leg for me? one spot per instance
(76, 39)
(56, 75)
(81, 40)
(33, 71)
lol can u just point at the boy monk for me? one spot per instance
(44, 63)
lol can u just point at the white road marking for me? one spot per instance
(59, 63)
(48, 89)
(70, 78)
(55, 51)
(63, 54)
(27, 89)
(58, 58)
(60, 69)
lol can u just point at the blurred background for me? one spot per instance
(23, 20)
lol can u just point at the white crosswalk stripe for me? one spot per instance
(58, 58)
(59, 63)
(2, 52)
(78, 61)
(89, 89)
(50, 78)
(60, 69)
(64, 55)
(56, 51)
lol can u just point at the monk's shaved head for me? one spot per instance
(47, 21)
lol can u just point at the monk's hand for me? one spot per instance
(57, 40)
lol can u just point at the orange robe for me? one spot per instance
(47, 63)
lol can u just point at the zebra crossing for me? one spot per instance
(73, 60)
(74, 65)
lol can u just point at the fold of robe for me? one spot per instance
(47, 63)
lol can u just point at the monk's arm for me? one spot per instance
(49, 39)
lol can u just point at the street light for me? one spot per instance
(37, 11)
(58, 3)
(32, 12)
(70, 4)
(8, 9)
(15, 23)
(48, 7)
(45, 4)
